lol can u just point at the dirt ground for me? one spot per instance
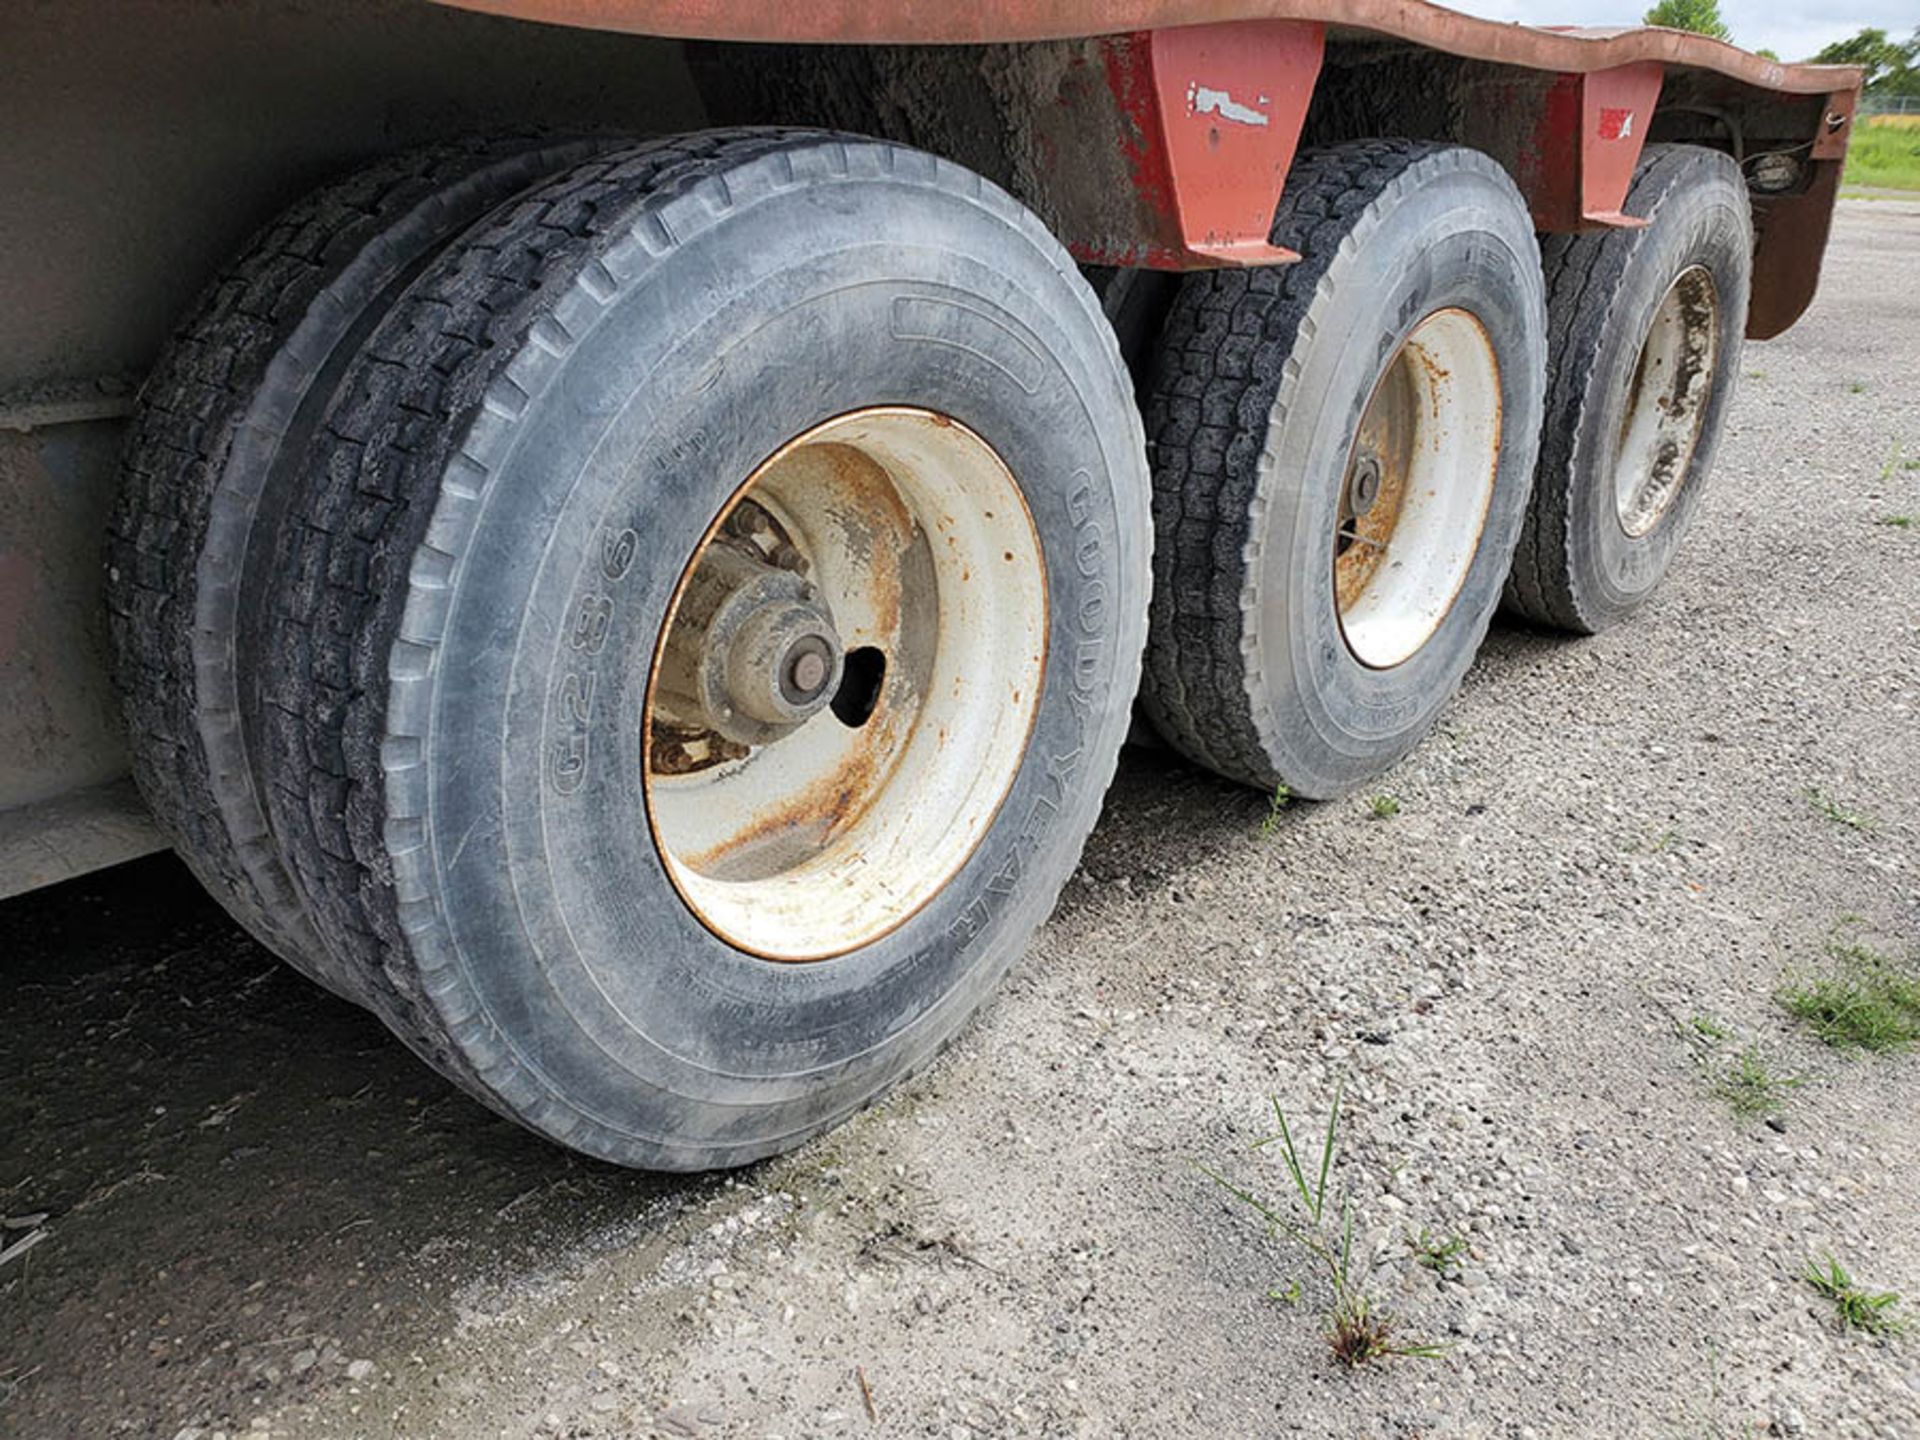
(265, 1218)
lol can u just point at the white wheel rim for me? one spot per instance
(1418, 483)
(1667, 401)
(914, 534)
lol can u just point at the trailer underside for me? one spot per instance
(641, 578)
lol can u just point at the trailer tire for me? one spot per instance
(1281, 652)
(1644, 334)
(490, 558)
(218, 427)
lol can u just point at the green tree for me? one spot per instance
(1887, 62)
(1700, 16)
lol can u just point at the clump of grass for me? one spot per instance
(1435, 1254)
(1868, 1001)
(1361, 1332)
(1838, 813)
(1745, 1079)
(1652, 843)
(1749, 1084)
(1898, 460)
(1384, 807)
(1855, 1307)
(1896, 522)
(1282, 797)
(1359, 1329)
(1856, 387)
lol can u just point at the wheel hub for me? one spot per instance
(843, 689)
(1363, 491)
(754, 654)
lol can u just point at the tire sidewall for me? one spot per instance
(556, 920)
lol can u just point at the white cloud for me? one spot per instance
(1795, 29)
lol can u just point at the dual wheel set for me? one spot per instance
(655, 622)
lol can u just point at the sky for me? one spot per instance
(1794, 29)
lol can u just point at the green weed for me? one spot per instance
(1710, 1026)
(1282, 797)
(1748, 1084)
(1838, 813)
(1744, 1079)
(1897, 522)
(1854, 1306)
(1359, 1330)
(1868, 1001)
(1384, 807)
(1436, 1254)
(1898, 460)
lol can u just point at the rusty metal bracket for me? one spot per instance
(1571, 142)
(1836, 126)
(1215, 113)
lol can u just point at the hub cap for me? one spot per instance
(1667, 401)
(1417, 487)
(842, 693)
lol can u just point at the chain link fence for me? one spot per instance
(1890, 104)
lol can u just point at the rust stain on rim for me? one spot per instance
(1405, 416)
(835, 804)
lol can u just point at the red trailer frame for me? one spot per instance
(1202, 103)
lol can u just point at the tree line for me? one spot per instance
(1892, 66)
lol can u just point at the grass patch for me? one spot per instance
(1277, 803)
(1749, 1084)
(1897, 522)
(1854, 1306)
(1868, 1001)
(1743, 1078)
(1838, 813)
(1898, 461)
(1359, 1329)
(1435, 1254)
(1856, 387)
(1384, 807)
(1361, 1332)
(1883, 156)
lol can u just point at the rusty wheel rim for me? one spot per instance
(1667, 401)
(1415, 494)
(841, 694)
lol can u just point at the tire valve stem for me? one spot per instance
(1355, 537)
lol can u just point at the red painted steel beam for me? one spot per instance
(974, 22)
(1571, 142)
(1213, 116)
(1616, 107)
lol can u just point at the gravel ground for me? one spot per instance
(266, 1218)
